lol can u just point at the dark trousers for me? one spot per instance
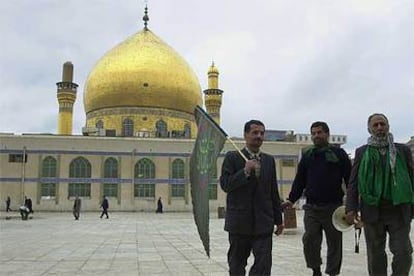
(105, 212)
(391, 222)
(24, 214)
(316, 220)
(76, 213)
(239, 252)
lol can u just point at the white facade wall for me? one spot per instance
(18, 179)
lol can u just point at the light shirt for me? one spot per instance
(254, 155)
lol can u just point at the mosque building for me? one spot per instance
(139, 134)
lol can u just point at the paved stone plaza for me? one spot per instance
(139, 244)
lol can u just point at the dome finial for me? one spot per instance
(146, 18)
(213, 69)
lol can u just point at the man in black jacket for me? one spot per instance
(104, 206)
(321, 172)
(28, 203)
(382, 188)
(253, 203)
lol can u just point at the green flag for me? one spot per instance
(209, 143)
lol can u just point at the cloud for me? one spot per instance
(287, 63)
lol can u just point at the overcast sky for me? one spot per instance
(285, 62)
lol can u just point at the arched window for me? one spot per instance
(128, 128)
(111, 180)
(79, 170)
(49, 167)
(99, 124)
(48, 177)
(178, 189)
(161, 127)
(111, 168)
(178, 168)
(144, 174)
(187, 131)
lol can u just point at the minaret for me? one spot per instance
(66, 95)
(212, 98)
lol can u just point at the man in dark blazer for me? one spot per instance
(253, 203)
(382, 189)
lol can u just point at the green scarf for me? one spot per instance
(330, 155)
(376, 182)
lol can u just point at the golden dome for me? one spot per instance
(142, 71)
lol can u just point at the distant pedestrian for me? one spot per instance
(28, 204)
(24, 209)
(77, 207)
(159, 206)
(8, 202)
(105, 206)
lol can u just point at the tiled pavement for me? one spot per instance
(140, 244)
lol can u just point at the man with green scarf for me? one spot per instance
(382, 188)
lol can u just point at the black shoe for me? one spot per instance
(316, 272)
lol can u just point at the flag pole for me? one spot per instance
(237, 148)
